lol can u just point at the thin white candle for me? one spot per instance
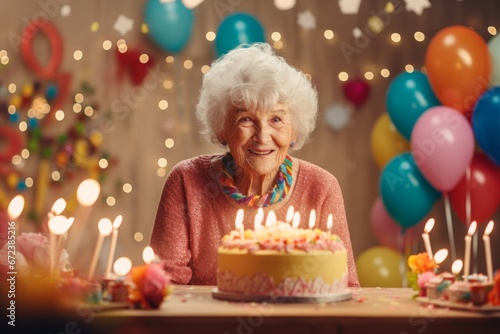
(487, 250)
(62, 239)
(457, 267)
(312, 219)
(105, 226)
(329, 223)
(289, 214)
(425, 236)
(259, 217)
(468, 237)
(15, 209)
(296, 219)
(114, 237)
(271, 219)
(57, 226)
(238, 224)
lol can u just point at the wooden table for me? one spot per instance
(191, 309)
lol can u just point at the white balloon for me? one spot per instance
(337, 116)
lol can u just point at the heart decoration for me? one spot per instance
(356, 91)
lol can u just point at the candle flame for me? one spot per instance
(472, 228)
(148, 254)
(457, 266)
(58, 206)
(87, 192)
(105, 227)
(60, 224)
(329, 222)
(271, 219)
(440, 255)
(259, 217)
(238, 223)
(489, 228)
(429, 225)
(296, 219)
(16, 207)
(122, 266)
(117, 222)
(289, 214)
(312, 218)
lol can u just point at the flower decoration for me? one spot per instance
(423, 268)
(151, 284)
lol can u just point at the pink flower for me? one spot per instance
(424, 278)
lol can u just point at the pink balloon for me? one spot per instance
(442, 144)
(387, 231)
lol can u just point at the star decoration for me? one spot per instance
(417, 6)
(306, 20)
(349, 6)
(65, 10)
(123, 24)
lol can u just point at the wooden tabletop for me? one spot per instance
(192, 309)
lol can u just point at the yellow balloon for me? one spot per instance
(386, 141)
(379, 267)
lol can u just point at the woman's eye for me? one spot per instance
(276, 119)
(244, 120)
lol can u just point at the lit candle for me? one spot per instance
(296, 219)
(271, 219)
(62, 239)
(312, 219)
(57, 226)
(289, 214)
(468, 237)
(148, 254)
(487, 250)
(58, 207)
(239, 223)
(105, 226)
(329, 223)
(259, 217)
(114, 237)
(456, 267)
(441, 255)
(122, 266)
(425, 236)
(15, 209)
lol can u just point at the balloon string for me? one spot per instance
(468, 214)
(449, 224)
(402, 263)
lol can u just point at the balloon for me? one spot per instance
(387, 231)
(494, 49)
(237, 29)
(337, 116)
(486, 123)
(484, 191)
(408, 96)
(442, 144)
(379, 267)
(406, 194)
(386, 142)
(170, 24)
(459, 67)
(356, 91)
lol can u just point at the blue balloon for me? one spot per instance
(237, 29)
(408, 96)
(405, 192)
(486, 123)
(170, 24)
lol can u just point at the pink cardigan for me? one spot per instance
(194, 214)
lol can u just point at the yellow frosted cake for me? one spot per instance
(282, 261)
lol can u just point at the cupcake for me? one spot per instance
(479, 292)
(436, 287)
(459, 292)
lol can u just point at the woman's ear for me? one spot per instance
(221, 139)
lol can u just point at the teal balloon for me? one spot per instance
(237, 29)
(406, 194)
(486, 123)
(409, 95)
(170, 24)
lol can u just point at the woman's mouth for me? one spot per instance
(260, 152)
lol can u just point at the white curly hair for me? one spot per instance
(255, 78)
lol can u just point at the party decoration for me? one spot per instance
(494, 49)
(442, 145)
(459, 67)
(337, 116)
(349, 6)
(129, 63)
(123, 24)
(12, 143)
(483, 191)
(306, 20)
(417, 6)
(192, 3)
(486, 123)
(408, 96)
(356, 91)
(284, 4)
(379, 267)
(237, 29)
(406, 194)
(388, 232)
(385, 141)
(170, 24)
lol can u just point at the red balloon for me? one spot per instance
(356, 91)
(484, 190)
(387, 231)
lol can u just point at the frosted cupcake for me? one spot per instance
(436, 287)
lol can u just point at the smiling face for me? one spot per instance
(259, 139)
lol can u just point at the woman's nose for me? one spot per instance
(262, 133)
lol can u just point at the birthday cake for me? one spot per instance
(282, 261)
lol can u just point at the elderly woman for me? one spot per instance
(260, 109)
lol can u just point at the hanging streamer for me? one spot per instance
(449, 224)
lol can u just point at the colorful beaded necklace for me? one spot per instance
(280, 190)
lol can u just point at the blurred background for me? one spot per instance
(106, 90)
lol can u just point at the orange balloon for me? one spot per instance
(386, 141)
(458, 66)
